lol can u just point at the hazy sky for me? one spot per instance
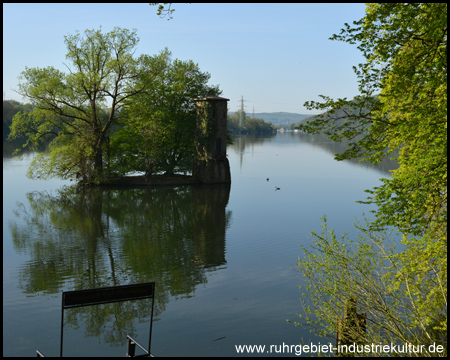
(277, 56)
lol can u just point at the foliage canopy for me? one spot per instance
(95, 123)
(159, 136)
(402, 105)
(69, 110)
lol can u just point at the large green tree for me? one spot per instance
(402, 106)
(69, 110)
(159, 135)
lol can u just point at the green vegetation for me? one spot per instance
(249, 125)
(163, 11)
(402, 106)
(160, 137)
(281, 118)
(276, 119)
(113, 113)
(11, 108)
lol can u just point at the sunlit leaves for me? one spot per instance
(163, 118)
(369, 270)
(70, 108)
(402, 106)
(164, 11)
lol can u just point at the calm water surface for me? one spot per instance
(223, 257)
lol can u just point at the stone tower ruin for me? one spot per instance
(211, 163)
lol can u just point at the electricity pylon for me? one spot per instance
(241, 113)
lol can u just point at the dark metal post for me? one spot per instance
(151, 323)
(62, 326)
(131, 348)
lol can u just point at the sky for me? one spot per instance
(275, 56)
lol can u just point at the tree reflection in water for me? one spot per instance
(84, 238)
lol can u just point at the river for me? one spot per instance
(223, 257)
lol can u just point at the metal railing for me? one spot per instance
(106, 295)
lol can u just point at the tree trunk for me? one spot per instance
(98, 164)
(148, 171)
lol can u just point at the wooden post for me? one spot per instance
(352, 329)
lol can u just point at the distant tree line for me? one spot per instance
(240, 123)
(11, 108)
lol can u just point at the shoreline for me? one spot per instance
(176, 179)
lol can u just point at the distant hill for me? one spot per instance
(279, 118)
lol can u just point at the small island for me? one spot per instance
(211, 164)
(149, 116)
